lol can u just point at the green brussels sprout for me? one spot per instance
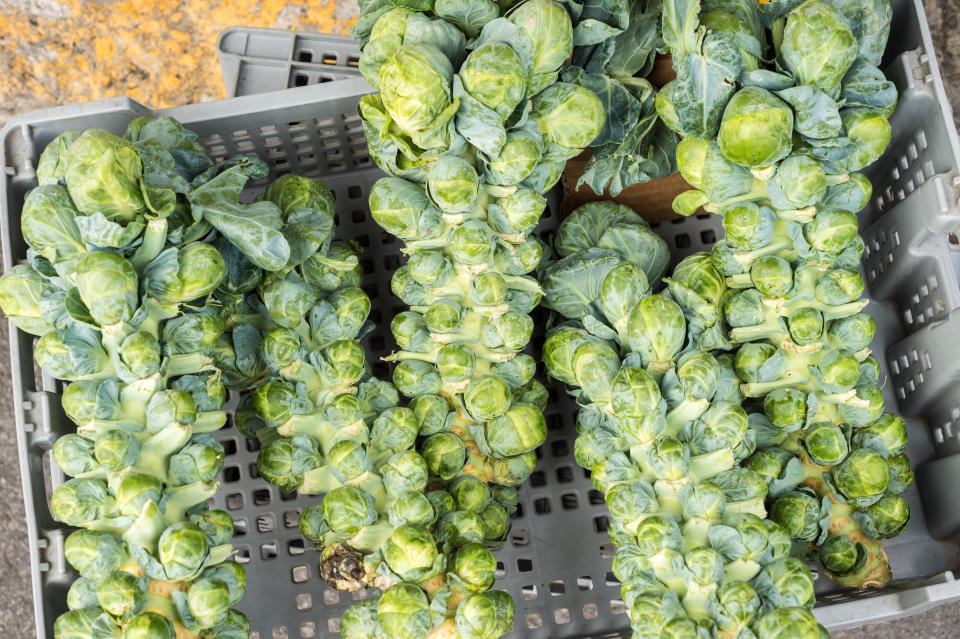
(49, 226)
(185, 274)
(469, 493)
(595, 365)
(772, 276)
(312, 524)
(756, 129)
(621, 288)
(94, 554)
(657, 533)
(359, 621)
(487, 397)
(86, 622)
(548, 26)
(140, 354)
(512, 471)
(496, 523)
(170, 406)
(831, 231)
(411, 508)
(134, 490)
(273, 402)
(805, 326)
(207, 601)
(901, 474)
(826, 443)
(475, 566)
(852, 333)
(283, 462)
(445, 454)
(82, 501)
(398, 206)
(799, 513)
(786, 408)
(862, 478)
(865, 407)
(493, 74)
(291, 192)
(201, 459)
(411, 553)
(818, 46)
(149, 625)
(787, 581)
(347, 509)
(87, 400)
(852, 195)
(281, 347)
(698, 286)
(442, 502)
(800, 181)
(182, 549)
(413, 377)
(485, 615)
(403, 472)
(760, 362)
(734, 606)
(489, 289)
(669, 458)
(886, 436)
(53, 161)
(75, 455)
(75, 354)
(403, 612)
(840, 555)
(836, 371)
(722, 425)
(452, 182)
(217, 525)
(471, 242)
(518, 371)
(515, 160)
(656, 331)
(122, 594)
(415, 90)
(431, 413)
(787, 623)
(102, 174)
(748, 226)
(456, 362)
(21, 293)
(516, 213)
(521, 429)
(107, 284)
(839, 286)
(691, 155)
(395, 429)
(886, 518)
(82, 594)
(569, 115)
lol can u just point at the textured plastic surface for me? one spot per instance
(556, 562)
(255, 60)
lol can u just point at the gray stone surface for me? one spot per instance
(16, 607)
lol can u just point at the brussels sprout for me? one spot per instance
(852, 333)
(185, 274)
(403, 472)
(512, 471)
(760, 362)
(397, 206)
(469, 493)
(901, 474)
(284, 461)
(548, 26)
(82, 594)
(516, 213)
(122, 594)
(800, 514)
(359, 621)
(886, 518)
(747, 226)
(485, 615)
(862, 478)
(826, 443)
(445, 454)
(82, 501)
(102, 174)
(569, 115)
(170, 406)
(21, 292)
(886, 436)
(800, 181)
(182, 550)
(411, 553)
(756, 129)
(521, 429)
(148, 625)
(456, 362)
(403, 612)
(818, 46)
(789, 622)
(475, 566)
(805, 326)
(74, 455)
(786, 408)
(415, 89)
(94, 554)
(217, 525)
(201, 459)
(107, 284)
(772, 276)
(841, 556)
(452, 183)
(493, 74)
(496, 523)
(347, 509)
(411, 508)
(656, 331)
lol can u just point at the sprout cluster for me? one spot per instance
(120, 287)
(664, 434)
(777, 154)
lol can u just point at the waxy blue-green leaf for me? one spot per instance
(681, 26)
(766, 79)
(470, 16)
(705, 83)
(870, 22)
(865, 85)
(254, 228)
(816, 113)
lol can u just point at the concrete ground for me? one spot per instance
(162, 52)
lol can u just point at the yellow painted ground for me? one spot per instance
(159, 52)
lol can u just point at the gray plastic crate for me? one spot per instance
(255, 60)
(556, 562)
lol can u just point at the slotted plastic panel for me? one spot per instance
(255, 60)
